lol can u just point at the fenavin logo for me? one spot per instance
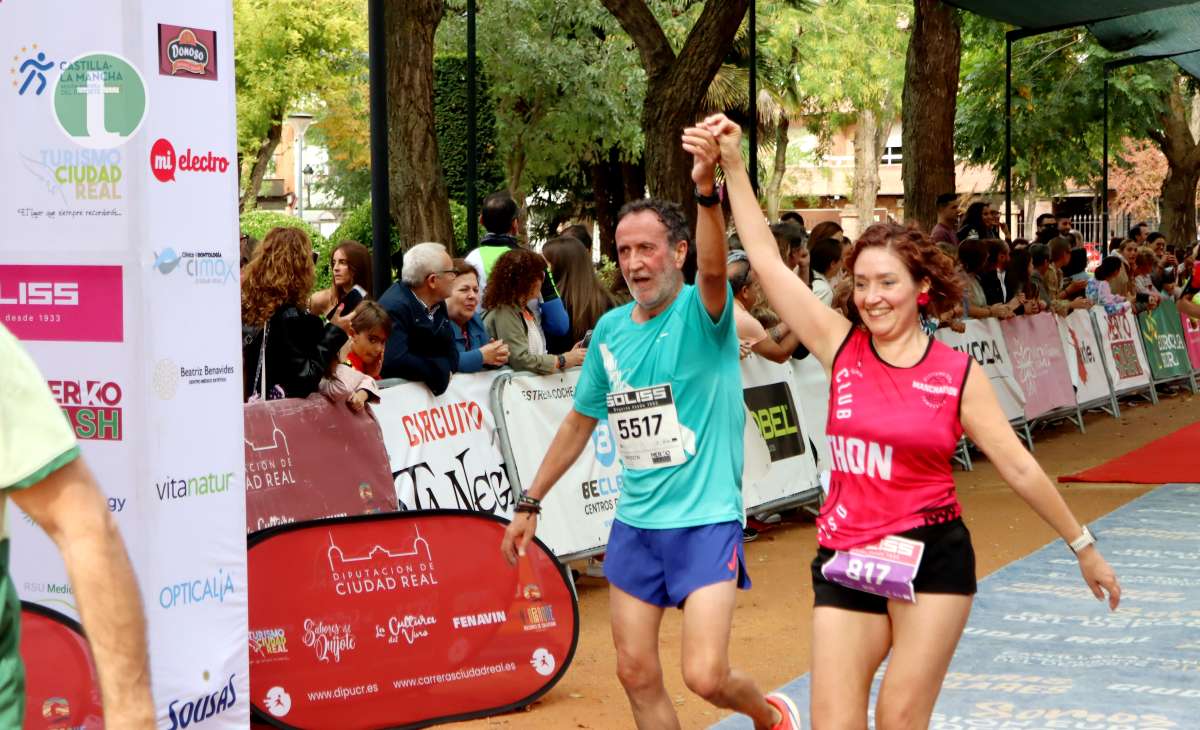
(100, 100)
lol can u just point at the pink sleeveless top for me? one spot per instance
(892, 432)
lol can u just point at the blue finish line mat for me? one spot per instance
(1040, 651)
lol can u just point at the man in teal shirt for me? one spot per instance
(41, 471)
(663, 370)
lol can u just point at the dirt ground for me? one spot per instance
(771, 633)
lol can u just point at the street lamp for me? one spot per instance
(300, 122)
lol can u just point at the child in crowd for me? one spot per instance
(1099, 291)
(355, 377)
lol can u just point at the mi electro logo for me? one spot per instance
(163, 162)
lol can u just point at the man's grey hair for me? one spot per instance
(420, 261)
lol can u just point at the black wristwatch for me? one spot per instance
(562, 362)
(708, 201)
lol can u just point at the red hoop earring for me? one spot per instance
(923, 299)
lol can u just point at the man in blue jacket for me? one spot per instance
(421, 346)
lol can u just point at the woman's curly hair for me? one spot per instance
(511, 278)
(923, 260)
(280, 273)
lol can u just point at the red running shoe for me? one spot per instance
(787, 709)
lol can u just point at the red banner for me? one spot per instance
(61, 689)
(402, 620)
(311, 458)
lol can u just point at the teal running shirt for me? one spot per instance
(669, 391)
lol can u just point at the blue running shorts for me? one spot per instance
(663, 567)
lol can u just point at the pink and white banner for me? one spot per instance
(1191, 334)
(1084, 360)
(1038, 363)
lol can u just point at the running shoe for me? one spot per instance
(749, 534)
(787, 709)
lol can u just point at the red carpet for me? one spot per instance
(1169, 459)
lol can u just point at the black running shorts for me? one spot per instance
(947, 566)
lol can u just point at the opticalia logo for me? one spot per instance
(268, 643)
(163, 161)
(62, 303)
(381, 570)
(199, 486)
(92, 406)
(202, 590)
(191, 52)
(328, 640)
(409, 629)
(202, 267)
(100, 101)
(183, 713)
(29, 68)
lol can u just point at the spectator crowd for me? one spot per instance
(508, 305)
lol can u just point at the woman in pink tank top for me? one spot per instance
(890, 530)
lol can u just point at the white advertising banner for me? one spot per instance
(812, 387)
(443, 449)
(1124, 355)
(580, 509)
(1084, 357)
(119, 190)
(984, 341)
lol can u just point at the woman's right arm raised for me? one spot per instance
(820, 328)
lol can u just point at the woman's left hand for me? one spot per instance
(1099, 576)
(342, 323)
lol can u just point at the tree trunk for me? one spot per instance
(420, 204)
(675, 86)
(261, 159)
(1178, 142)
(515, 170)
(867, 153)
(930, 94)
(778, 169)
(606, 207)
(633, 179)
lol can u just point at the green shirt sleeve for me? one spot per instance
(35, 438)
(506, 323)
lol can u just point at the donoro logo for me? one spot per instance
(100, 100)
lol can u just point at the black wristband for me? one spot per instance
(707, 201)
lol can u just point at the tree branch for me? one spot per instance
(706, 46)
(641, 25)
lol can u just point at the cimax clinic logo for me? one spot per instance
(164, 162)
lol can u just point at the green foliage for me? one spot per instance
(288, 52)
(258, 223)
(566, 82)
(356, 226)
(450, 120)
(1058, 112)
(458, 216)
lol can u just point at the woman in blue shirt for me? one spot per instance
(476, 349)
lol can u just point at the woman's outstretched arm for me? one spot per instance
(821, 329)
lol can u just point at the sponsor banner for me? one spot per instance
(187, 52)
(443, 450)
(1038, 363)
(1191, 334)
(1084, 362)
(63, 693)
(580, 509)
(1124, 357)
(1163, 338)
(984, 341)
(62, 303)
(371, 617)
(312, 458)
(811, 386)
